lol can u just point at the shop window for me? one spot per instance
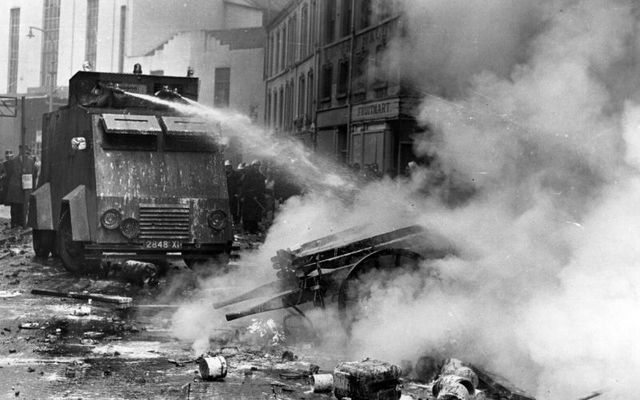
(380, 67)
(346, 17)
(356, 149)
(304, 28)
(301, 99)
(283, 53)
(327, 82)
(385, 9)
(277, 52)
(343, 78)
(310, 98)
(365, 13)
(330, 21)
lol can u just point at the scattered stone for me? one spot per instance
(70, 372)
(82, 311)
(288, 355)
(15, 251)
(176, 363)
(229, 351)
(426, 369)
(31, 369)
(367, 379)
(30, 325)
(14, 282)
(11, 351)
(93, 335)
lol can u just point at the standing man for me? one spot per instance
(21, 172)
(233, 186)
(8, 155)
(252, 190)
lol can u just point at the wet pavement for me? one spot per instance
(63, 348)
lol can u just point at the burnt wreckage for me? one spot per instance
(124, 176)
(338, 267)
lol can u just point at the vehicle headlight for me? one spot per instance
(130, 228)
(110, 219)
(217, 220)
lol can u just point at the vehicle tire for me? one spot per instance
(44, 242)
(72, 253)
(376, 268)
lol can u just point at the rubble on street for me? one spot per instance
(79, 335)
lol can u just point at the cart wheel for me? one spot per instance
(44, 242)
(355, 291)
(72, 253)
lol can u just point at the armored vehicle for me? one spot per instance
(124, 176)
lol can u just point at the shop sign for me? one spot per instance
(377, 110)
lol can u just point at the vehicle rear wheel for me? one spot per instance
(44, 242)
(373, 272)
(72, 253)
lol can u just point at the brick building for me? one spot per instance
(357, 108)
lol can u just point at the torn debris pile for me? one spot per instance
(367, 379)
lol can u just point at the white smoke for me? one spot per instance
(541, 118)
(547, 281)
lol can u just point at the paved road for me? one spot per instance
(112, 353)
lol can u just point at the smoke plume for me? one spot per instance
(536, 107)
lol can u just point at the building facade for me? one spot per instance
(291, 70)
(361, 107)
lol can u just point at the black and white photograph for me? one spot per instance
(319, 199)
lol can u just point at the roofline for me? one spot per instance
(282, 14)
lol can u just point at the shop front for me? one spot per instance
(382, 135)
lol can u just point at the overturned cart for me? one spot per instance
(343, 267)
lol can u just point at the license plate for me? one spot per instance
(162, 244)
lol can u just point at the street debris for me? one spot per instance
(119, 300)
(82, 310)
(138, 272)
(321, 383)
(367, 379)
(30, 325)
(212, 368)
(266, 329)
(10, 293)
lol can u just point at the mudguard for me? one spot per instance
(78, 212)
(40, 210)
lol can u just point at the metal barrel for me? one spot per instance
(321, 383)
(212, 367)
(452, 387)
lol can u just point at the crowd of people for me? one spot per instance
(18, 176)
(255, 193)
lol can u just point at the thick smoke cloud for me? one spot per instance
(548, 274)
(536, 106)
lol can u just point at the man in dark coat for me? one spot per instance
(8, 155)
(233, 187)
(20, 180)
(252, 189)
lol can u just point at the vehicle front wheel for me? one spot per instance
(72, 253)
(44, 242)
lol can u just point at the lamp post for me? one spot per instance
(52, 71)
